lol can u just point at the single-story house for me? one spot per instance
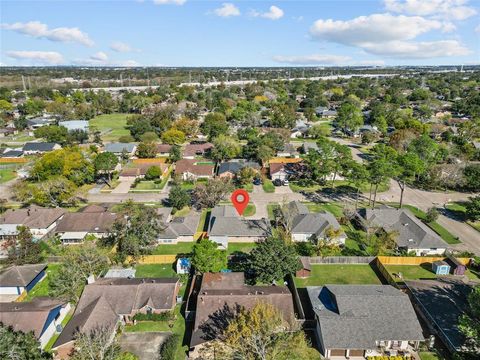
(363, 320)
(138, 170)
(39, 316)
(121, 148)
(227, 226)
(17, 279)
(73, 125)
(221, 295)
(288, 150)
(12, 153)
(180, 229)
(412, 234)
(73, 227)
(325, 113)
(192, 151)
(278, 171)
(440, 303)
(193, 169)
(306, 225)
(230, 169)
(163, 150)
(31, 148)
(40, 221)
(38, 122)
(108, 302)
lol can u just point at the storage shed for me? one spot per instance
(441, 268)
(457, 267)
(183, 266)
(305, 268)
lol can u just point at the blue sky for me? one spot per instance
(239, 33)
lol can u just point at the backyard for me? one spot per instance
(418, 272)
(42, 288)
(323, 274)
(7, 175)
(112, 126)
(174, 249)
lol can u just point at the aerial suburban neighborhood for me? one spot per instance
(217, 199)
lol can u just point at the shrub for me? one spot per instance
(153, 172)
(432, 215)
(164, 316)
(169, 348)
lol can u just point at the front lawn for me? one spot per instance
(249, 210)
(323, 274)
(338, 185)
(7, 175)
(268, 186)
(439, 229)
(42, 288)
(112, 126)
(174, 249)
(271, 210)
(147, 185)
(334, 208)
(459, 209)
(155, 271)
(427, 355)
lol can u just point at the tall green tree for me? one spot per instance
(206, 257)
(18, 345)
(225, 148)
(178, 197)
(105, 162)
(470, 324)
(410, 165)
(22, 249)
(349, 117)
(215, 124)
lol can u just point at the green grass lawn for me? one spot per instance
(270, 210)
(268, 186)
(112, 126)
(334, 208)
(187, 185)
(147, 185)
(248, 187)
(459, 209)
(41, 289)
(174, 249)
(249, 210)
(182, 212)
(177, 327)
(240, 247)
(439, 229)
(427, 355)
(412, 272)
(155, 270)
(7, 175)
(203, 218)
(339, 274)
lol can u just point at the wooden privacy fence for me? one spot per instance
(150, 161)
(409, 260)
(13, 160)
(155, 259)
(383, 270)
(341, 260)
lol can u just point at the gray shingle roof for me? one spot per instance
(234, 166)
(412, 232)
(304, 222)
(224, 221)
(356, 316)
(38, 146)
(20, 275)
(119, 147)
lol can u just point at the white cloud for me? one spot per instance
(447, 9)
(168, 2)
(274, 13)
(128, 63)
(370, 63)
(42, 57)
(315, 59)
(99, 56)
(418, 50)
(41, 31)
(372, 28)
(227, 10)
(119, 46)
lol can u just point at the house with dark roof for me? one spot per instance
(121, 148)
(74, 227)
(38, 122)
(307, 226)
(440, 303)
(364, 320)
(227, 226)
(230, 169)
(12, 153)
(31, 148)
(17, 279)
(412, 235)
(222, 295)
(39, 316)
(179, 229)
(192, 151)
(110, 301)
(39, 220)
(139, 169)
(194, 169)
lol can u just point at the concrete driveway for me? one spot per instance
(145, 345)
(123, 187)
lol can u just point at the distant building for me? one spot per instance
(72, 125)
(120, 148)
(197, 150)
(32, 148)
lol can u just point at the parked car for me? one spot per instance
(257, 181)
(285, 182)
(277, 182)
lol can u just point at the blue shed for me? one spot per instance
(183, 266)
(441, 268)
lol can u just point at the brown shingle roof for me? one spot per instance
(87, 221)
(193, 166)
(20, 275)
(197, 149)
(225, 293)
(276, 167)
(163, 148)
(28, 316)
(35, 217)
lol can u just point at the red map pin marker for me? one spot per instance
(240, 200)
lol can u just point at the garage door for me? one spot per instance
(356, 352)
(337, 352)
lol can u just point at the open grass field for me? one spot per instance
(41, 289)
(339, 274)
(7, 175)
(112, 126)
(174, 249)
